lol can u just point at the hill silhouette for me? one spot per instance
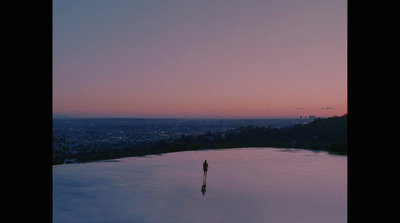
(328, 134)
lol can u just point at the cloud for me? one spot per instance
(299, 108)
(328, 108)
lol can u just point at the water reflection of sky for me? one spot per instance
(243, 185)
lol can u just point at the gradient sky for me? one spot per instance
(191, 58)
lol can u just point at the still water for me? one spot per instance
(242, 185)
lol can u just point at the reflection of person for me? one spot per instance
(203, 189)
(205, 167)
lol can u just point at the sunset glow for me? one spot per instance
(230, 58)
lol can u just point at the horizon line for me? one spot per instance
(55, 116)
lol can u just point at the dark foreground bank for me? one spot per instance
(329, 134)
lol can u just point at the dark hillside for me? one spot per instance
(323, 134)
(328, 134)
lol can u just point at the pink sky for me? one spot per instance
(277, 58)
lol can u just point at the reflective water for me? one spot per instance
(241, 185)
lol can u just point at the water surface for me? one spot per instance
(242, 185)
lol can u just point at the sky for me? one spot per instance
(190, 58)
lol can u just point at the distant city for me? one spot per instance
(79, 135)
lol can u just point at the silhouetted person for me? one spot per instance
(205, 167)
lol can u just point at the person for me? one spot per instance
(205, 167)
